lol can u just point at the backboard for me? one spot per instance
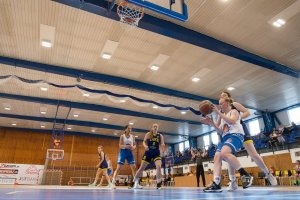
(176, 9)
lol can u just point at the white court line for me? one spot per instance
(283, 196)
(14, 192)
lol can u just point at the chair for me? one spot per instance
(261, 178)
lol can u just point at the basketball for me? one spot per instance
(205, 107)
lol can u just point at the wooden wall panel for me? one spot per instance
(18, 146)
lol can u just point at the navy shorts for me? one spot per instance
(247, 136)
(151, 155)
(103, 165)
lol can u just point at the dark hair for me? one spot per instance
(126, 127)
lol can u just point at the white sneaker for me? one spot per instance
(232, 186)
(272, 179)
(246, 181)
(92, 185)
(137, 186)
(112, 186)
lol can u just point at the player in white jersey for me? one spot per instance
(127, 145)
(232, 134)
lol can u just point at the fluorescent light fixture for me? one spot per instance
(155, 106)
(131, 123)
(93, 130)
(86, 94)
(154, 67)
(69, 128)
(7, 108)
(136, 136)
(76, 115)
(44, 89)
(105, 119)
(278, 22)
(122, 100)
(46, 43)
(281, 21)
(195, 79)
(230, 88)
(14, 124)
(183, 112)
(106, 56)
(43, 112)
(42, 126)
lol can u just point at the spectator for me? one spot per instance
(197, 156)
(71, 182)
(297, 168)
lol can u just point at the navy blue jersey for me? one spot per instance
(154, 142)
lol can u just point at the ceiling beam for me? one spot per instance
(183, 34)
(97, 77)
(94, 107)
(104, 78)
(79, 123)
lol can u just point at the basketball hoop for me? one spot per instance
(129, 13)
(55, 154)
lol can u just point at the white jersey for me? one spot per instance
(231, 128)
(128, 140)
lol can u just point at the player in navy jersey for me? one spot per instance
(152, 143)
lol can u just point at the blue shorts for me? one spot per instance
(234, 141)
(151, 155)
(109, 171)
(125, 154)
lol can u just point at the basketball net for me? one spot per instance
(129, 14)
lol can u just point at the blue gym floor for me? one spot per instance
(86, 193)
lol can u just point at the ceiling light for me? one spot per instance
(155, 107)
(93, 130)
(86, 94)
(154, 67)
(69, 128)
(105, 119)
(278, 22)
(46, 43)
(7, 108)
(44, 89)
(76, 115)
(183, 112)
(106, 56)
(131, 123)
(136, 136)
(14, 124)
(122, 100)
(230, 88)
(195, 79)
(43, 112)
(42, 126)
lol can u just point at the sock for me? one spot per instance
(232, 177)
(217, 180)
(113, 181)
(243, 172)
(136, 181)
